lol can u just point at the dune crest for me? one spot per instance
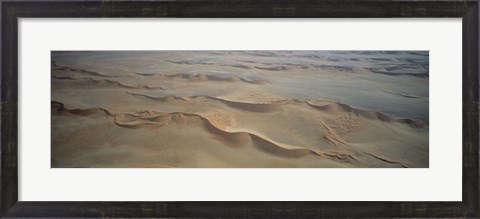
(82, 71)
(327, 106)
(149, 119)
(156, 120)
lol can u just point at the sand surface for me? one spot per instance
(240, 109)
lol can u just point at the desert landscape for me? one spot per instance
(239, 109)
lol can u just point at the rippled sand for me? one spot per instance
(240, 109)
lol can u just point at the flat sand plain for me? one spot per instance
(222, 109)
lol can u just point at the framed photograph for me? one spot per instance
(244, 109)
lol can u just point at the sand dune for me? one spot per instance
(152, 120)
(106, 82)
(59, 109)
(81, 71)
(326, 106)
(204, 63)
(277, 68)
(98, 83)
(210, 77)
(239, 109)
(216, 128)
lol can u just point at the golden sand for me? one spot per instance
(240, 109)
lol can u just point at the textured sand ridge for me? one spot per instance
(240, 109)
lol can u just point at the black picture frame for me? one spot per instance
(466, 9)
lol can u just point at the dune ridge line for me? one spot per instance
(331, 107)
(148, 119)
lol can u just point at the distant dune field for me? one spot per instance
(240, 109)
